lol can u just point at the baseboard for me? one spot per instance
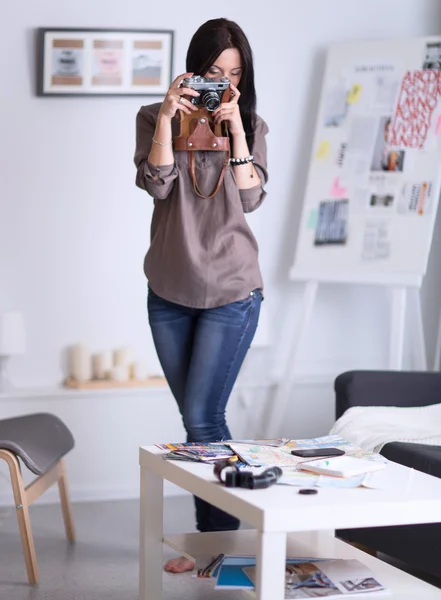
(78, 494)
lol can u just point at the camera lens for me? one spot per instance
(210, 100)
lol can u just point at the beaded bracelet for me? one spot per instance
(161, 143)
(242, 161)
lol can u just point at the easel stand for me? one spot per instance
(404, 290)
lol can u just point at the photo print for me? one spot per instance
(108, 62)
(386, 157)
(332, 222)
(147, 62)
(67, 62)
(432, 58)
(336, 106)
(416, 198)
(381, 200)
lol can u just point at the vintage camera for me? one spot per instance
(211, 90)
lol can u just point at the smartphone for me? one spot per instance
(316, 452)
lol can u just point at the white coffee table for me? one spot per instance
(285, 522)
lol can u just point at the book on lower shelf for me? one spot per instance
(304, 577)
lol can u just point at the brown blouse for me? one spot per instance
(202, 252)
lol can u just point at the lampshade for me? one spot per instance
(12, 334)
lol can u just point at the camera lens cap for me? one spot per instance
(308, 492)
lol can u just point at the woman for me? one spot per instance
(205, 286)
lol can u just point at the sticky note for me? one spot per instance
(337, 190)
(323, 150)
(354, 94)
(312, 219)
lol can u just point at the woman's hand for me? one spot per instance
(229, 111)
(174, 100)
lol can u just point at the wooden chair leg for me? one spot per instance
(24, 522)
(65, 502)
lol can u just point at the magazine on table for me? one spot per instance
(206, 453)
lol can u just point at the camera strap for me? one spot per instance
(198, 132)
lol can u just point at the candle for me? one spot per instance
(140, 370)
(102, 365)
(123, 356)
(80, 362)
(120, 373)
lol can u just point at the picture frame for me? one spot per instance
(104, 62)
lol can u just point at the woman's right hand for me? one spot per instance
(174, 100)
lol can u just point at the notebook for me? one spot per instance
(342, 466)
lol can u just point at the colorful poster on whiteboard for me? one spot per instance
(374, 178)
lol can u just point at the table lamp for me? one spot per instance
(12, 343)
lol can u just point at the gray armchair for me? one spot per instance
(417, 545)
(40, 441)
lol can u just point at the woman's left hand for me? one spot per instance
(229, 111)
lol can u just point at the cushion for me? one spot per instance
(39, 439)
(416, 456)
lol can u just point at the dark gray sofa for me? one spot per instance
(417, 545)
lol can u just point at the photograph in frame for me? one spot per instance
(104, 62)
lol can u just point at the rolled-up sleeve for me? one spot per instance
(157, 181)
(253, 197)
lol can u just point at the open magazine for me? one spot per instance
(325, 579)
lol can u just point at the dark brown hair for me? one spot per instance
(209, 41)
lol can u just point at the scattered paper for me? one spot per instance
(416, 198)
(383, 200)
(332, 222)
(385, 157)
(341, 154)
(360, 145)
(312, 219)
(432, 58)
(382, 191)
(299, 479)
(385, 93)
(256, 455)
(418, 98)
(325, 579)
(337, 190)
(354, 94)
(336, 106)
(323, 150)
(376, 241)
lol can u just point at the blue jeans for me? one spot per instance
(201, 352)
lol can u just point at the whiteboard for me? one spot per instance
(375, 173)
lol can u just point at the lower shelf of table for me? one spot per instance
(319, 544)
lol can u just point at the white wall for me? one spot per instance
(109, 427)
(74, 229)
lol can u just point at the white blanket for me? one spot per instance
(371, 427)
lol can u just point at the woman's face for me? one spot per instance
(227, 64)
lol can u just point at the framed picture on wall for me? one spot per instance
(104, 62)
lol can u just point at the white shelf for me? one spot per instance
(66, 392)
(63, 392)
(318, 544)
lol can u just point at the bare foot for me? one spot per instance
(179, 565)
